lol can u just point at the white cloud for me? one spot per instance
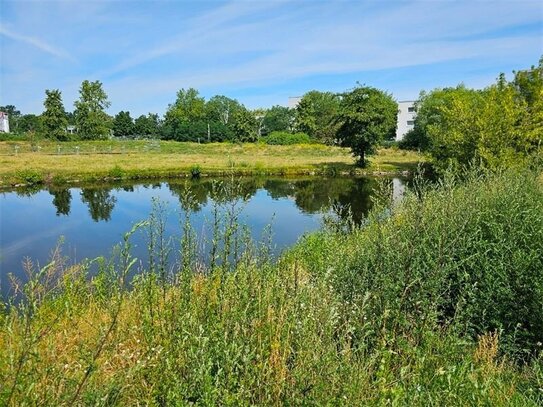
(38, 43)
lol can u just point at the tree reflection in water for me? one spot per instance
(62, 198)
(349, 196)
(100, 202)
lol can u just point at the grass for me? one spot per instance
(50, 162)
(436, 301)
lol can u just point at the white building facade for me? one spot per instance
(293, 101)
(406, 118)
(4, 123)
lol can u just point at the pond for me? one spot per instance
(89, 220)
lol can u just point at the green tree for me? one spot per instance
(123, 125)
(29, 123)
(529, 85)
(189, 106)
(367, 116)
(147, 125)
(279, 118)
(221, 109)
(91, 119)
(501, 142)
(244, 126)
(54, 120)
(316, 115)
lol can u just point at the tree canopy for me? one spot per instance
(92, 121)
(499, 126)
(367, 116)
(54, 120)
(316, 115)
(123, 125)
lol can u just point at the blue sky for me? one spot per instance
(259, 52)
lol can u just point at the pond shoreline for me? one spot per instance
(160, 177)
(109, 161)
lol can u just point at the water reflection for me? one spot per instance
(100, 202)
(311, 195)
(93, 218)
(62, 198)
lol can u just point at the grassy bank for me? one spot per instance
(436, 302)
(48, 162)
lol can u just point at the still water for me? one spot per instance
(90, 220)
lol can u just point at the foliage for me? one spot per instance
(244, 126)
(367, 116)
(500, 126)
(147, 125)
(199, 131)
(123, 125)
(316, 115)
(53, 119)
(386, 314)
(91, 119)
(284, 138)
(221, 109)
(415, 267)
(189, 106)
(278, 119)
(29, 123)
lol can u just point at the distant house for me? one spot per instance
(406, 118)
(4, 122)
(71, 129)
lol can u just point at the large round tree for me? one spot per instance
(367, 116)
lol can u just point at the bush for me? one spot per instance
(388, 313)
(30, 176)
(414, 139)
(284, 138)
(13, 137)
(467, 257)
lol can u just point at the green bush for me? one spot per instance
(13, 137)
(387, 313)
(195, 171)
(284, 138)
(465, 256)
(30, 176)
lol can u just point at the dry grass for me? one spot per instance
(136, 159)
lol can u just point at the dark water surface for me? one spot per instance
(90, 220)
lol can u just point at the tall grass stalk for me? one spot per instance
(436, 301)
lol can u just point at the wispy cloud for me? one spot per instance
(259, 51)
(38, 43)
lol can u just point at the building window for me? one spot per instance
(410, 122)
(411, 109)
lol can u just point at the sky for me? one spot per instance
(258, 52)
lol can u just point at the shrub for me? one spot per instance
(467, 257)
(30, 176)
(116, 172)
(195, 171)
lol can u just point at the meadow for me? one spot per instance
(435, 301)
(59, 163)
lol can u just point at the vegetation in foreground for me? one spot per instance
(53, 163)
(436, 301)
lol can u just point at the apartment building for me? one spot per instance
(406, 118)
(4, 123)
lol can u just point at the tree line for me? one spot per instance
(358, 118)
(499, 126)
(496, 126)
